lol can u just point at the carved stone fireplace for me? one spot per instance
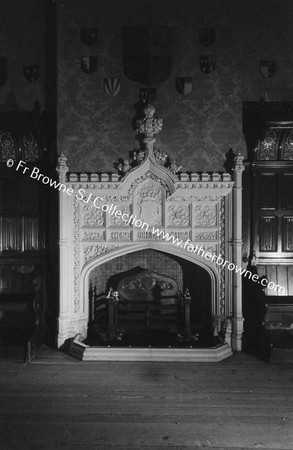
(202, 210)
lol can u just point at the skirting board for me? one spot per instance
(89, 353)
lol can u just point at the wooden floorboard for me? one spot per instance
(57, 402)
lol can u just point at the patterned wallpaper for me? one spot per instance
(22, 43)
(95, 129)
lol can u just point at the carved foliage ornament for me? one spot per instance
(288, 147)
(149, 126)
(117, 221)
(268, 147)
(91, 251)
(7, 146)
(30, 146)
(92, 216)
(205, 215)
(178, 215)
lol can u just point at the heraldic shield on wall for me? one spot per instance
(207, 63)
(88, 36)
(267, 68)
(147, 54)
(183, 85)
(31, 73)
(207, 36)
(89, 64)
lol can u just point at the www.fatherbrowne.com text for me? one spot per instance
(131, 219)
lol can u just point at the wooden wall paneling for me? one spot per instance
(287, 233)
(262, 271)
(272, 276)
(282, 279)
(285, 185)
(268, 231)
(290, 280)
(30, 234)
(267, 191)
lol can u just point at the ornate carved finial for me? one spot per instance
(238, 162)
(150, 125)
(62, 167)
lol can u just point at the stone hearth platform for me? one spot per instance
(85, 352)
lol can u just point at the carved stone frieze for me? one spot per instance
(178, 215)
(119, 235)
(205, 235)
(76, 255)
(210, 248)
(148, 176)
(92, 251)
(204, 185)
(222, 252)
(93, 236)
(192, 198)
(141, 235)
(91, 187)
(181, 235)
(205, 215)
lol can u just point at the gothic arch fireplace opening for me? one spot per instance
(150, 298)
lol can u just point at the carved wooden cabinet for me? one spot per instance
(268, 128)
(23, 203)
(273, 211)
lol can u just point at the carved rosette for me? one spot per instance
(92, 217)
(117, 221)
(205, 215)
(178, 215)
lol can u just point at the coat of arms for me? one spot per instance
(267, 68)
(31, 73)
(207, 36)
(88, 36)
(207, 63)
(111, 86)
(147, 54)
(183, 85)
(89, 64)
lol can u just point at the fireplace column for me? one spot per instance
(237, 321)
(64, 257)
